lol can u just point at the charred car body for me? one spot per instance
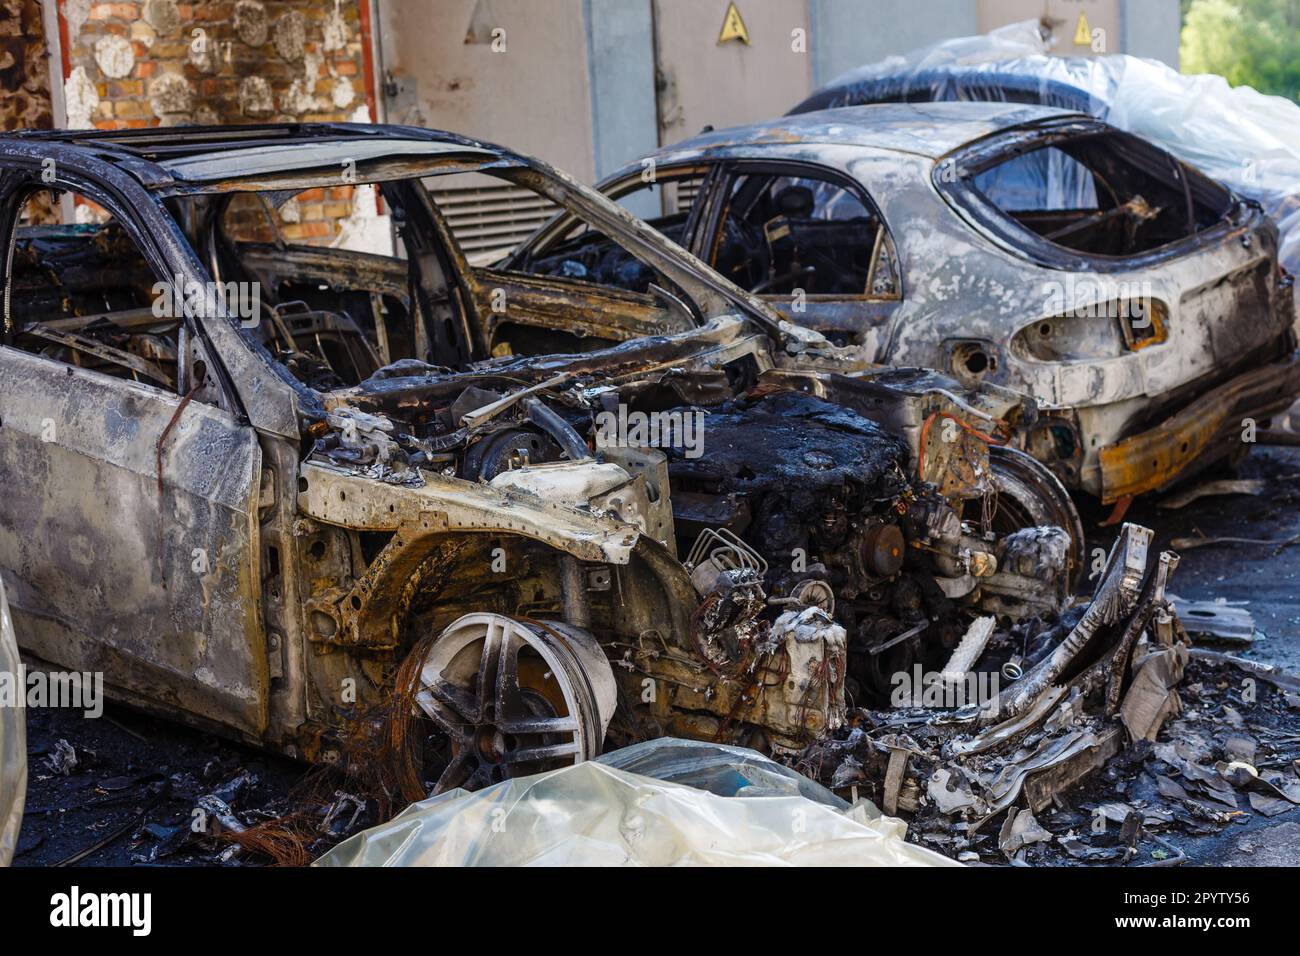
(252, 525)
(1137, 301)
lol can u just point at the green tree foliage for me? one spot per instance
(1248, 42)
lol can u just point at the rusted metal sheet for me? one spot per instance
(609, 314)
(336, 497)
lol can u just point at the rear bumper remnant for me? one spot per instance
(1152, 459)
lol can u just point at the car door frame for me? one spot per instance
(147, 575)
(615, 188)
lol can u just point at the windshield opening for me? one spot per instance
(354, 279)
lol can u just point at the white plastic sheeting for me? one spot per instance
(13, 738)
(1246, 140)
(666, 802)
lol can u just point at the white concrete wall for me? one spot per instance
(850, 33)
(576, 83)
(1151, 28)
(534, 96)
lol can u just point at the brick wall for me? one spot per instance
(140, 63)
(24, 67)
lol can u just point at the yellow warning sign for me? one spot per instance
(733, 26)
(1082, 32)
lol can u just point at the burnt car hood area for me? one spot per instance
(349, 548)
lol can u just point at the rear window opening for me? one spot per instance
(1104, 194)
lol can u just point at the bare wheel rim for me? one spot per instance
(513, 698)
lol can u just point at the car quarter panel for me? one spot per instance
(961, 284)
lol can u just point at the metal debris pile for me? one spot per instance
(1230, 760)
(1070, 708)
(1197, 741)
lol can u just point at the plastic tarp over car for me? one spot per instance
(1246, 140)
(666, 802)
(13, 738)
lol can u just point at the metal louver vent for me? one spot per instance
(488, 221)
(686, 191)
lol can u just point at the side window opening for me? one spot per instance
(1107, 194)
(82, 293)
(784, 233)
(1044, 181)
(585, 254)
(488, 216)
(335, 316)
(663, 201)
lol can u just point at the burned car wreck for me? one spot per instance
(745, 590)
(1140, 303)
(387, 482)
